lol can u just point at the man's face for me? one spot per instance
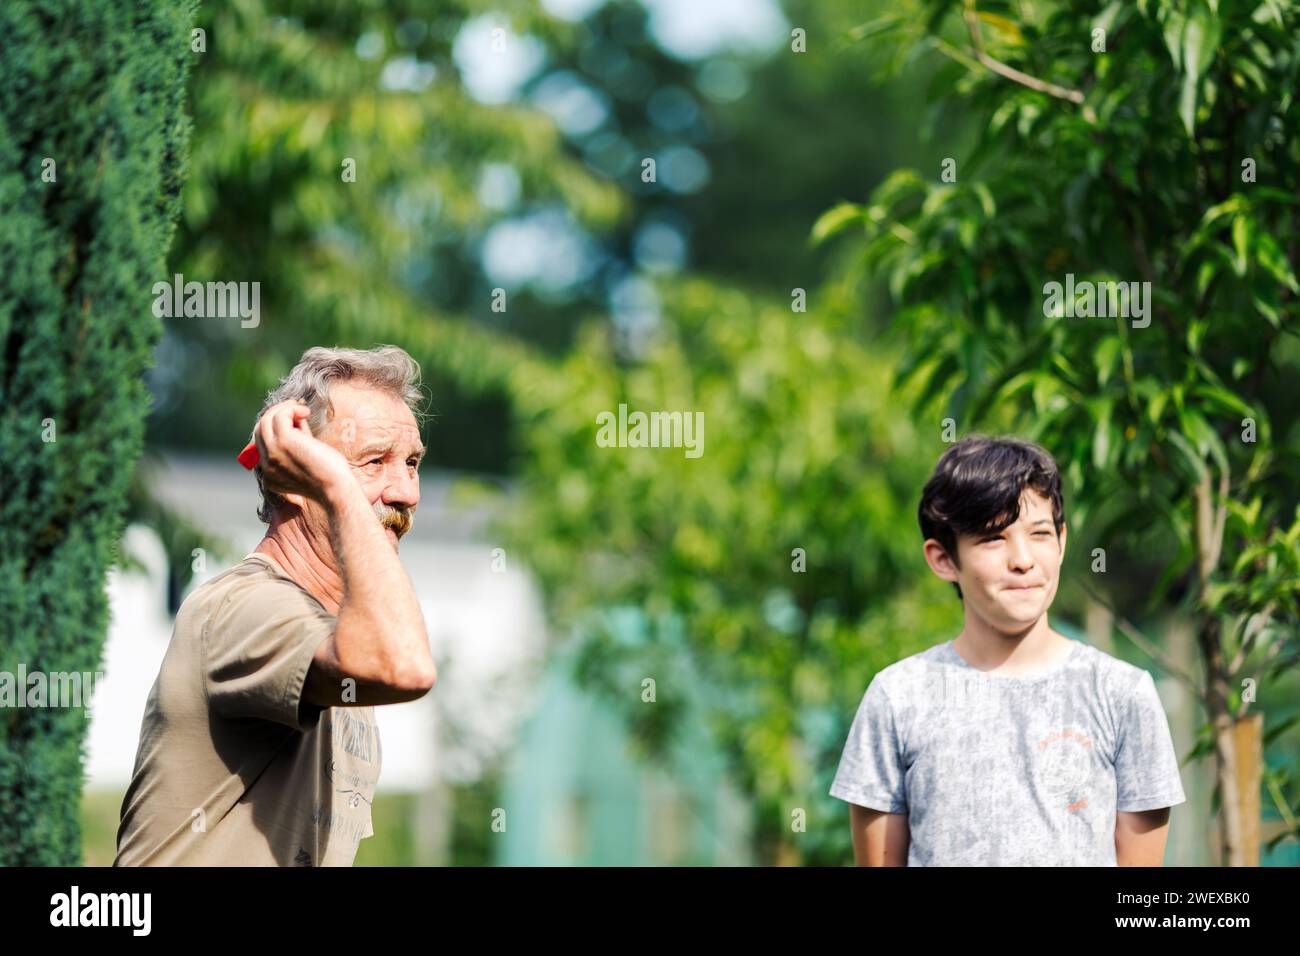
(378, 435)
(1009, 577)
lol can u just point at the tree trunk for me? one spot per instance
(1237, 747)
(1248, 739)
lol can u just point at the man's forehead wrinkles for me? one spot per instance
(385, 431)
(388, 442)
(385, 447)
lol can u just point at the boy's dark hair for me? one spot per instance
(977, 486)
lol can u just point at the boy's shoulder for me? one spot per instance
(917, 673)
(921, 663)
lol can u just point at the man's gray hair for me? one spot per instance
(385, 367)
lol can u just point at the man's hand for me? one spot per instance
(295, 464)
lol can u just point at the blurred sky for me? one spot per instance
(545, 248)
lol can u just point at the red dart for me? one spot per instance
(249, 457)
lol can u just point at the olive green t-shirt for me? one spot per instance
(232, 768)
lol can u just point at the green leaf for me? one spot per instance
(1241, 232)
(1157, 407)
(1264, 298)
(1269, 9)
(1101, 437)
(1009, 29)
(1107, 355)
(1231, 205)
(1196, 462)
(1198, 43)
(834, 220)
(940, 377)
(1273, 260)
(1205, 274)
(1106, 19)
(936, 200)
(1203, 436)
(900, 184)
(1274, 732)
(1175, 24)
(1224, 400)
(1249, 70)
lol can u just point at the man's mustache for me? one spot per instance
(399, 519)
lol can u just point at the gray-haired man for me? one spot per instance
(258, 745)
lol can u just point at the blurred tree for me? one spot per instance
(1151, 143)
(93, 134)
(752, 141)
(336, 156)
(288, 93)
(777, 570)
(338, 160)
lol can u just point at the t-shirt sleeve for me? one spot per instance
(871, 768)
(258, 647)
(1146, 764)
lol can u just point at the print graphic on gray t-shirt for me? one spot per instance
(1010, 771)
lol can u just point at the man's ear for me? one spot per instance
(298, 501)
(1063, 530)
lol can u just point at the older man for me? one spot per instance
(258, 745)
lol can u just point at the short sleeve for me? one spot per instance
(258, 647)
(1146, 764)
(871, 769)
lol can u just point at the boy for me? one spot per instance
(1010, 745)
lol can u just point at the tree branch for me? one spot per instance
(1017, 76)
(1254, 625)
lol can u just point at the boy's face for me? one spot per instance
(1009, 577)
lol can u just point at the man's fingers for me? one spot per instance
(300, 415)
(275, 430)
(283, 419)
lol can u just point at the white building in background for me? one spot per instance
(486, 630)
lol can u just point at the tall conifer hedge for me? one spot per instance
(93, 140)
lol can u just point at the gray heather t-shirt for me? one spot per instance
(1010, 771)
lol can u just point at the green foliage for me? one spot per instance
(803, 450)
(1132, 185)
(280, 100)
(98, 88)
(281, 97)
(1179, 437)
